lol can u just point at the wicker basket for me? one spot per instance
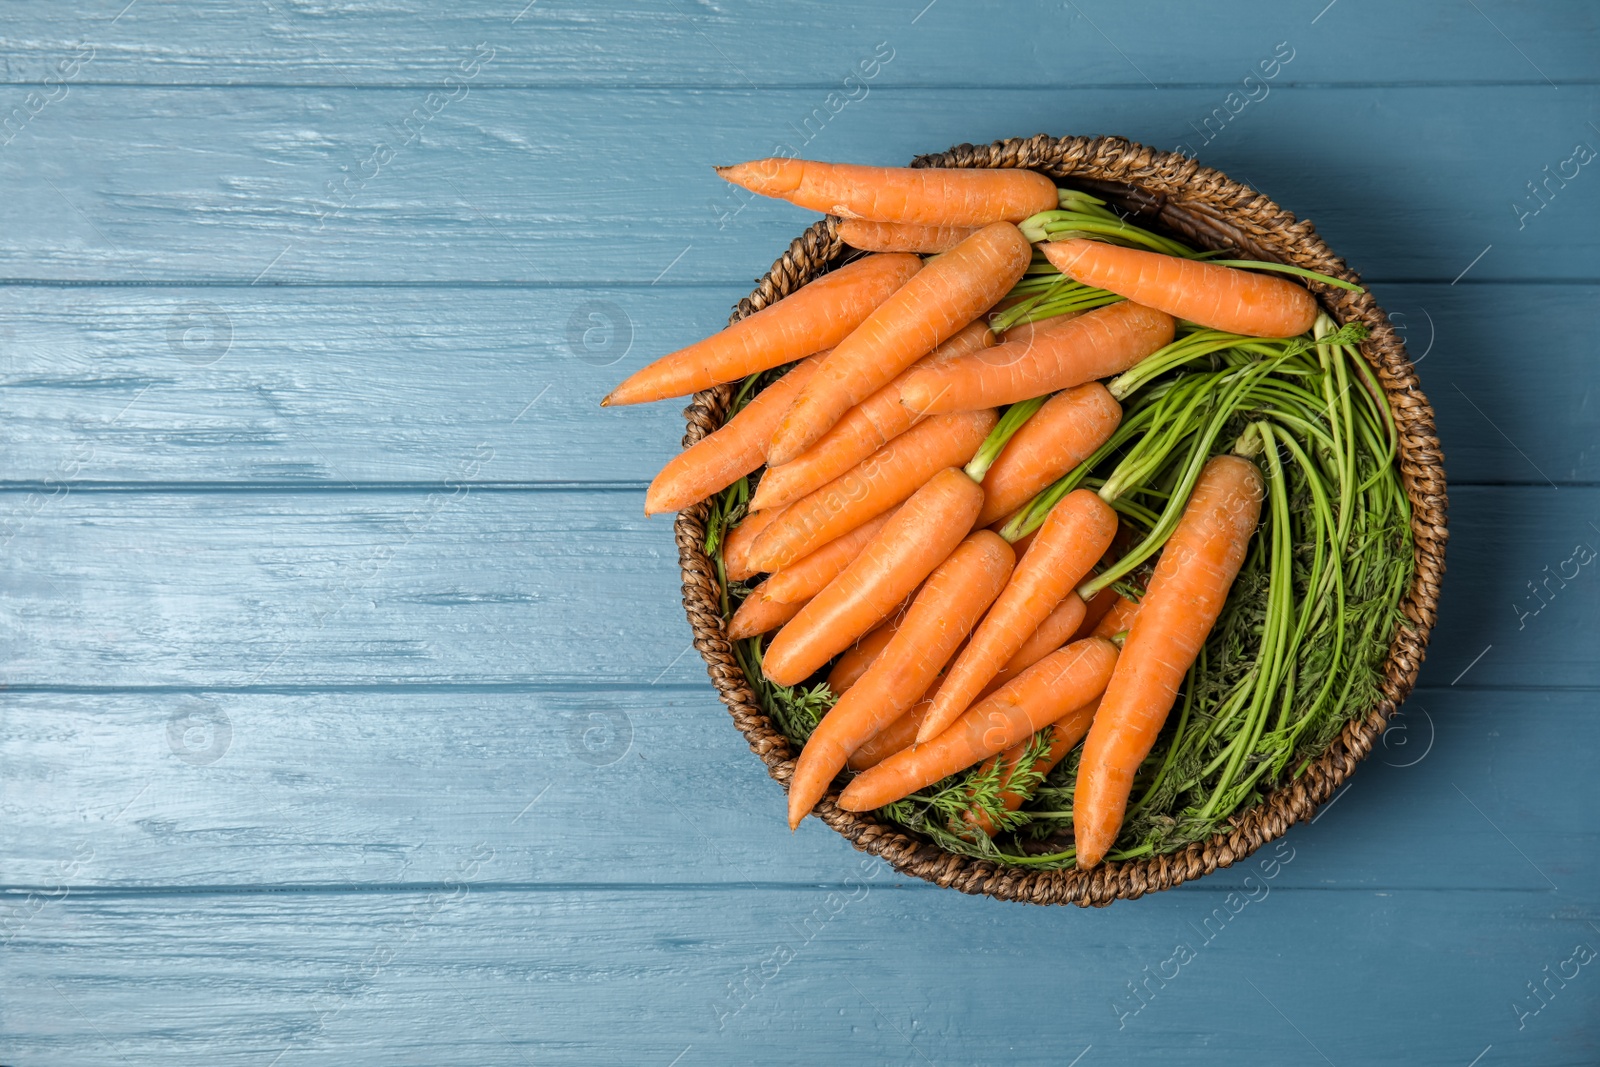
(1208, 209)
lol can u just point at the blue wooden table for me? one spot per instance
(349, 714)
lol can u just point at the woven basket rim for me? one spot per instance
(1207, 207)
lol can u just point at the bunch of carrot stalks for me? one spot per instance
(984, 519)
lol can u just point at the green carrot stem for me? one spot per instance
(1013, 420)
(1256, 264)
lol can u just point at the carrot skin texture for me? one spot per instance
(760, 614)
(953, 598)
(1056, 355)
(1061, 682)
(861, 431)
(919, 538)
(927, 196)
(805, 578)
(1118, 619)
(1058, 628)
(898, 735)
(736, 545)
(1075, 535)
(941, 299)
(1223, 298)
(872, 236)
(1061, 435)
(1191, 582)
(854, 661)
(816, 316)
(1098, 608)
(1065, 733)
(870, 488)
(735, 449)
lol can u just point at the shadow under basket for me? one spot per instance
(1171, 192)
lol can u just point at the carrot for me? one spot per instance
(1099, 607)
(737, 543)
(1057, 355)
(953, 599)
(805, 578)
(901, 236)
(1180, 605)
(898, 735)
(1057, 629)
(734, 450)
(854, 661)
(1075, 535)
(861, 431)
(1118, 619)
(919, 538)
(816, 316)
(1066, 679)
(760, 614)
(1063, 735)
(874, 485)
(928, 196)
(1223, 298)
(1023, 332)
(1059, 436)
(945, 296)
(1072, 620)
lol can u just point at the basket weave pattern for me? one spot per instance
(1211, 211)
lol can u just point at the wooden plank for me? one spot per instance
(275, 186)
(559, 587)
(856, 973)
(808, 42)
(625, 787)
(287, 385)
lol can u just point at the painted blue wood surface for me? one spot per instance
(349, 716)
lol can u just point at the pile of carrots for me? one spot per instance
(902, 439)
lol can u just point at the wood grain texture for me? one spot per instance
(601, 186)
(561, 587)
(652, 785)
(810, 42)
(333, 386)
(456, 975)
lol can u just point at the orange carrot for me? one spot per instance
(854, 661)
(954, 597)
(898, 735)
(928, 196)
(1093, 345)
(1056, 630)
(734, 450)
(946, 295)
(1059, 436)
(902, 236)
(1223, 298)
(1099, 607)
(816, 316)
(1118, 619)
(1185, 595)
(861, 431)
(1064, 735)
(736, 544)
(1023, 332)
(760, 614)
(872, 487)
(805, 578)
(918, 539)
(1078, 530)
(1066, 679)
